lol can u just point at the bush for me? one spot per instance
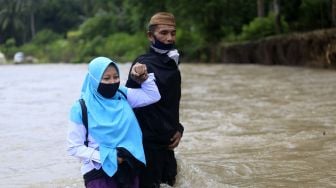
(98, 25)
(124, 47)
(121, 47)
(9, 48)
(45, 36)
(60, 51)
(261, 27)
(190, 45)
(87, 50)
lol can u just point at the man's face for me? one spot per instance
(164, 33)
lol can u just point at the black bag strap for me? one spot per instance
(122, 93)
(85, 120)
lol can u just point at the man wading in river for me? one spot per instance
(159, 122)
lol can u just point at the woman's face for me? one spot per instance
(110, 76)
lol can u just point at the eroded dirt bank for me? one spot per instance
(313, 49)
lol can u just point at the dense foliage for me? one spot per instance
(77, 30)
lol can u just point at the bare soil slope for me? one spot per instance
(313, 49)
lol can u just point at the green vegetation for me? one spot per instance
(261, 27)
(77, 30)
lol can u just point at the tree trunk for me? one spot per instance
(276, 7)
(261, 9)
(32, 24)
(333, 12)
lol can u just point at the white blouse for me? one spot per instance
(89, 155)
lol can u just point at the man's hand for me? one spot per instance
(139, 73)
(120, 160)
(175, 140)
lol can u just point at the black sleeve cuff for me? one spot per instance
(180, 128)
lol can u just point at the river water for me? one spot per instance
(245, 126)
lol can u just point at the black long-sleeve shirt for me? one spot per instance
(160, 121)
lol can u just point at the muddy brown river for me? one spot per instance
(245, 126)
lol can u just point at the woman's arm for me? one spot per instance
(76, 147)
(146, 95)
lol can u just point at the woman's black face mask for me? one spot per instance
(108, 90)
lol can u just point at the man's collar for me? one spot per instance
(167, 54)
(159, 50)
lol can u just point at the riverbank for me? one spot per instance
(312, 49)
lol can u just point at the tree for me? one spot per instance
(276, 8)
(333, 12)
(261, 8)
(31, 6)
(213, 20)
(16, 16)
(60, 15)
(12, 20)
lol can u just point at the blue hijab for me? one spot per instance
(112, 122)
